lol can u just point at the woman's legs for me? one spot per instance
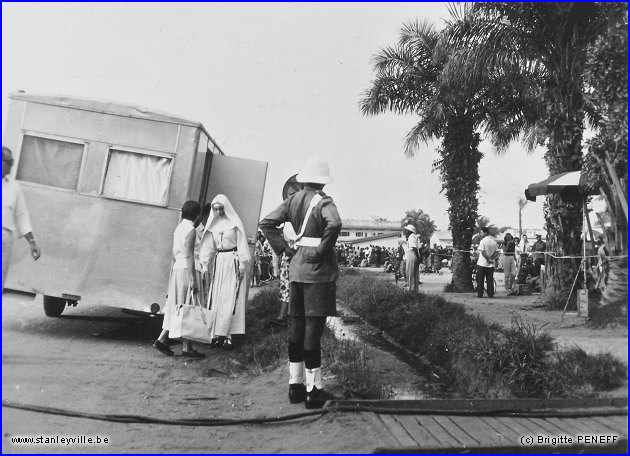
(508, 272)
(163, 336)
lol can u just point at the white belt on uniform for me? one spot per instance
(308, 242)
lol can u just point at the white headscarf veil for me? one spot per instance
(232, 216)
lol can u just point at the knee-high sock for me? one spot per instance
(297, 373)
(313, 379)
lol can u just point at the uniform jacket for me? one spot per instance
(310, 264)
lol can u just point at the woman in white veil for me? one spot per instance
(225, 257)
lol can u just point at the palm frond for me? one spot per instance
(422, 132)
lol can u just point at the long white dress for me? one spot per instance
(227, 293)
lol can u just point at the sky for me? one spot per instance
(276, 82)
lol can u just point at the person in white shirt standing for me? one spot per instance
(488, 251)
(15, 218)
(183, 278)
(412, 255)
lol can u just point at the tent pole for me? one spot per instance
(584, 243)
(588, 221)
(583, 263)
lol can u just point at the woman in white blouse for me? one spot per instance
(183, 277)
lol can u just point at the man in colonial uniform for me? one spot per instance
(313, 273)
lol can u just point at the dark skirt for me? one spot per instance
(313, 299)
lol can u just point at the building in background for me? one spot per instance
(363, 233)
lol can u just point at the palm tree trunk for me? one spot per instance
(615, 291)
(564, 224)
(564, 220)
(460, 180)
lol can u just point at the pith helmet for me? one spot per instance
(315, 171)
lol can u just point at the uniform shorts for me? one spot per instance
(313, 299)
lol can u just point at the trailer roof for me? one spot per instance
(113, 108)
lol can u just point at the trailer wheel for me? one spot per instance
(53, 307)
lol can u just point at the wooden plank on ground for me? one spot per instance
(514, 424)
(618, 424)
(477, 429)
(437, 431)
(565, 424)
(453, 429)
(397, 431)
(532, 427)
(594, 425)
(418, 432)
(380, 429)
(550, 427)
(505, 434)
(580, 424)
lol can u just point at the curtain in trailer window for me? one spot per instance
(50, 162)
(137, 177)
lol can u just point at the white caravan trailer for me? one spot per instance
(104, 184)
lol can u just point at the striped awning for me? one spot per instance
(570, 186)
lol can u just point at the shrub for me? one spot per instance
(479, 359)
(574, 373)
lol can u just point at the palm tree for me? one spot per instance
(484, 222)
(548, 42)
(409, 81)
(606, 162)
(493, 230)
(425, 227)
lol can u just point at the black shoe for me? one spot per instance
(216, 343)
(317, 398)
(163, 348)
(297, 393)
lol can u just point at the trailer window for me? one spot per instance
(137, 177)
(50, 162)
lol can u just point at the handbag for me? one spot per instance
(192, 321)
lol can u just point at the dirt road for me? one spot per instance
(98, 360)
